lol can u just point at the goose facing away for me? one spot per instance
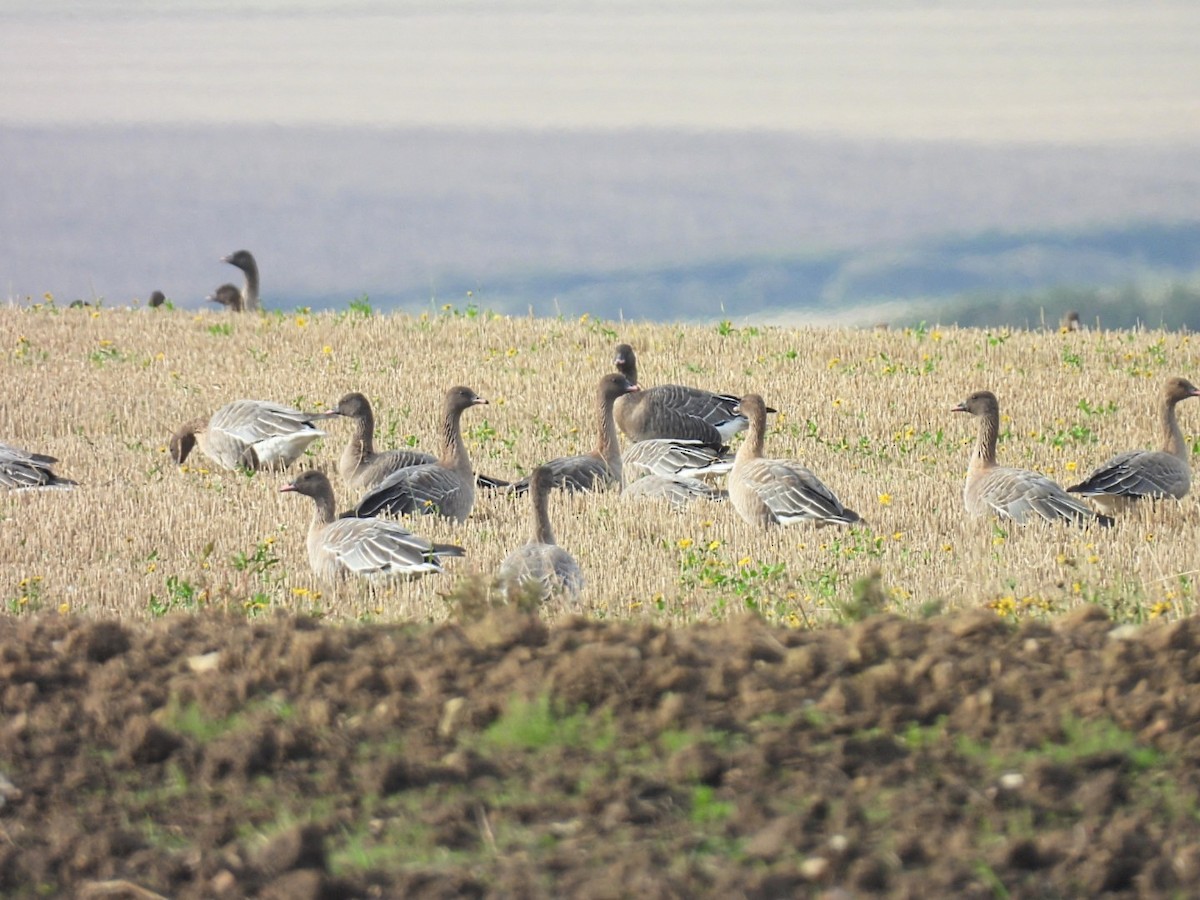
(1153, 474)
(367, 548)
(445, 487)
(256, 434)
(768, 492)
(541, 568)
(244, 260)
(1010, 493)
(674, 410)
(600, 469)
(21, 470)
(228, 296)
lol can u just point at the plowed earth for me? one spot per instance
(956, 757)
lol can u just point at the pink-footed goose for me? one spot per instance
(678, 490)
(673, 459)
(445, 487)
(244, 260)
(600, 469)
(768, 492)
(362, 468)
(228, 296)
(674, 410)
(1154, 474)
(368, 548)
(1008, 493)
(21, 470)
(255, 434)
(541, 568)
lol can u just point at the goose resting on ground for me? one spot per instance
(768, 492)
(678, 491)
(256, 434)
(600, 469)
(674, 410)
(1154, 474)
(368, 548)
(228, 296)
(673, 459)
(244, 260)
(21, 470)
(445, 487)
(541, 567)
(1009, 493)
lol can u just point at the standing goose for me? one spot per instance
(256, 434)
(21, 470)
(369, 548)
(541, 567)
(1156, 474)
(1016, 494)
(445, 487)
(675, 411)
(673, 459)
(600, 469)
(229, 297)
(244, 260)
(768, 492)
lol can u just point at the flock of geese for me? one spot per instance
(677, 444)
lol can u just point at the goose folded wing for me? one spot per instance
(793, 493)
(1138, 473)
(375, 547)
(420, 489)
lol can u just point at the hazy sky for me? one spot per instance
(1040, 71)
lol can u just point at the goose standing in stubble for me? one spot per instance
(1154, 474)
(768, 492)
(244, 260)
(1009, 493)
(600, 469)
(675, 411)
(367, 548)
(255, 434)
(21, 470)
(541, 567)
(445, 487)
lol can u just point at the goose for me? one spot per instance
(157, 299)
(244, 260)
(21, 470)
(1070, 321)
(678, 491)
(600, 469)
(368, 548)
(768, 492)
(675, 411)
(673, 459)
(541, 568)
(255, 434)
(445, 487)
(1008, 493)
(1156, 474)
(228, 296)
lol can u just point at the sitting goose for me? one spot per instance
(1156, 474)
(769, 492)
(675, 411)
(256, 434)
(673, 459)
(600, 469)
(445, 487)
(1008, 493)
(678, 491)
(541, 568)
(228, 296)
(21, 470)
(370, 548)
(244, 260)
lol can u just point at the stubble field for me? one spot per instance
(185, 712)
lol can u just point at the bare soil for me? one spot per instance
(956, 757)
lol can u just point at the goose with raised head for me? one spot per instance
(1153, 474)
(678, 490)
(673, 459)
(229, 297)
(157, 299)
(255, 434)
(600, 469)
(445, 487)
(366, 548)
(768, 492)
(674, 410)
(1009, 493)
(541, 568)
(21, 470)
(244, 260)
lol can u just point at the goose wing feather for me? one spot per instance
(793, 493)
(375, 547)
(671, 458)
(1138, 473)
(418, 489)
